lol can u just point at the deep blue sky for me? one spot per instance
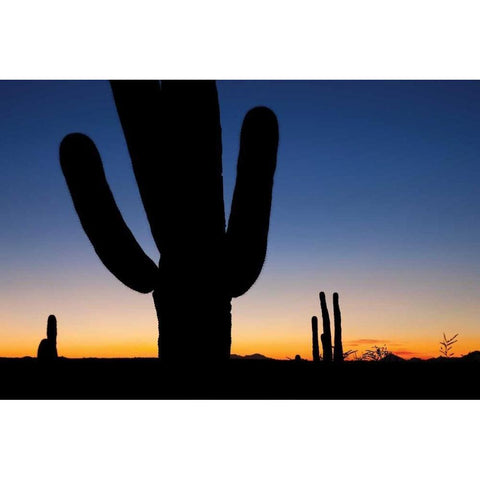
(376, 196)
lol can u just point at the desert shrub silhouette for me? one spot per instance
(376, 353)
(173, 135)
(47, 350)
(326, 336)
(350, 352)
(446, 345)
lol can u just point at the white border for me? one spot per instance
(252, 39)
(96, 39)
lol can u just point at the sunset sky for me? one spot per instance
(376, 197)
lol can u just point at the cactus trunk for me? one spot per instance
(315, 351)
(193, 322)
(338, 349)
(327, 335)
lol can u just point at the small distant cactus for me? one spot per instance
(315, 352)
(47, 350)
(326, 336)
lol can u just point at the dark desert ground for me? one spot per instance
(146, 378)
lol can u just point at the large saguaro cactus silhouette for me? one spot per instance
(173, 135)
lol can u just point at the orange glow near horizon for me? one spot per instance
(407, 349)
(275, 344)
(102, 318)
(131, 349)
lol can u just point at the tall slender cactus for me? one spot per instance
(315, 351)
(338, 348)
(173, 136)
(326, 336)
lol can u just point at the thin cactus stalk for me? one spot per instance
(315, 351)
(173, 135)
(326, 336)
(337, 318)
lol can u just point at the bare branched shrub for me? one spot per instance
(376, 353)
(348, 353)
(446, 346)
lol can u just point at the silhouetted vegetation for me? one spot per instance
(173, 135)
(376, 353)
(337, 319)
(348, 353)
(315, 350)
(47, 350)
(326, 336)
(446, 345)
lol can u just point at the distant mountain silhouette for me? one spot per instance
(469, 357)
(391, 357)
(253, 356)
(472, 356)
(441, 358)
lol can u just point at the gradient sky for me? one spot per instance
(376, 196)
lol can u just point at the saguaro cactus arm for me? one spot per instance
(112, 240)
(248, 224)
